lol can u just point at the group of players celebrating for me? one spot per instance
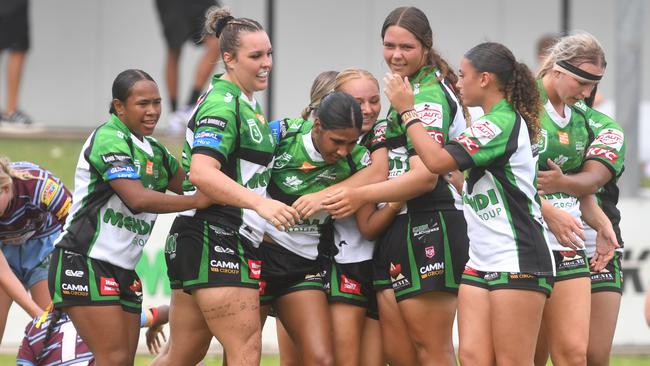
(363, 236)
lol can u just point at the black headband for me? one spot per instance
(578, 71)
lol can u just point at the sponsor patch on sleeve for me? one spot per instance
(207, 139)
(214, 122)
(430, 114)
(124, 171)
(485, 131)
(606, 154)
(49, 191)
(63, 211)
(116, 159)
(468, 143)
(611, 138)
(365, 159)
(379, 133)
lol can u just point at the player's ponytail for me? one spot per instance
(322, 85)
(220, 23)
(515, 81)
(7, 172)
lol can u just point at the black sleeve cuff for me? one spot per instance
(461, 156)
(211, 153)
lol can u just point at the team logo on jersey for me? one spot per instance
(350, 286)
(485, 131)
(563, 137)
(306, 166)
(429, 251)
(430, 114)
(560, 160)
(49, 191)
(255, 269)
(603, 153)
(468, 143)
(254, 130)
(282, 160)
(542, 141)
(292, 181)
(108, 286)
(611, 138)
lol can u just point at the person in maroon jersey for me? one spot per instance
(51, 338)
(33, 207)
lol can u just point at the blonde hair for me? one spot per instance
(352, 74)
(7, 173)
(322, 85)
(576, 49)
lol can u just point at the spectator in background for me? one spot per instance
(182, 20)
(14, 36)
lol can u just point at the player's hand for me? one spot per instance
(342, 203)
(549, 181)
(399, 92)
(201, 200)
(309, 204)
(278, 214)
(154, 336)
(567, 229)
(606, 244)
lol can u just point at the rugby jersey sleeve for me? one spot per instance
(479, 145)
(111, 156)
(377, 136)
(54, 197)
(431, 113)
(216, 131)
(360, 158)
(609, 145)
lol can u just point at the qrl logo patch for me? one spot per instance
(603, 153)
(108, 286)
(255, 269)
(469, 144)
(350, 286)
(429, 251)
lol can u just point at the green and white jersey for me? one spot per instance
(442, 117)
(351, 246)
(608, 146)
(100, 225)
(563, 140)
(299, 169)
(501, 205)
(230, 128)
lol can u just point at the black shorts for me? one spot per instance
(350, 283)
(570, 264)
(610, 278)
(422, 252)
(14, 29)
(182, 20)
(508, 281)
(284, 272)
(200, 254)
(77, 280)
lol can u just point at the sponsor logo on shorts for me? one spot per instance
(350, 286)
(224, 267)
(108, 286)
(318, 276)
(170, 245)
(432, 270)
(397, 278)
(571, 260)
(74, 289)
(71, 273)
(520, 276)
(136, 287)
(422, 230)
(221, 231)
(220, 249)
(254, 268)
(603, 153)
(491, 276)
(470, 271)
(430, 251)
(262, 288)
(603, 276)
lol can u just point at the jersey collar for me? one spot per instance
(143, 145)
(310, 149)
